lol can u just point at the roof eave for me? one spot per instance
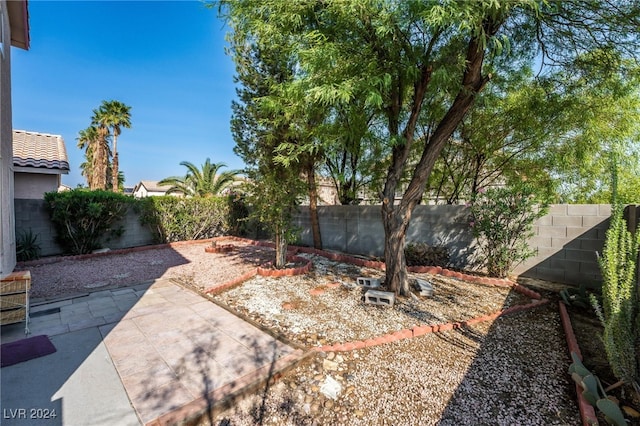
(19, 22)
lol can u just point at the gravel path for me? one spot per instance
(511, 371)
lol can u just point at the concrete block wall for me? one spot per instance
(33, 215)
(359, 230)
(566, 239)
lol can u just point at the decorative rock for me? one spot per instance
(330, 365)
(331, 356)
(331, 388)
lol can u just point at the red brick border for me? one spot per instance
(587, 412)
(421, 330)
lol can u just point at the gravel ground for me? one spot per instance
(188, 263)
(505, 372)
(511, 371)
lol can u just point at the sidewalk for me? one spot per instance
(155, 353)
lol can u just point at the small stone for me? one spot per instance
(315, 388)
(330, 365)
(328, 404)
(293, 385)
(339, 358)
(358, 413)
(331, 355)
(315, 407)
(318, 377)
(308, 399)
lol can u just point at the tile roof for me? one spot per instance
(39, 150)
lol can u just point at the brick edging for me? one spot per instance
(421, 330)
(587, 412)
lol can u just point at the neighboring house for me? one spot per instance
(14, 31)
(150, 188)
(39, 160)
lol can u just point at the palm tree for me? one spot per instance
(96, 151)
(113, 115)
(201, 183)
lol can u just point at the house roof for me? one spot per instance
(39, 150)
(18, 14)
(152, 186)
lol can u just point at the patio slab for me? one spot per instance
(165, 351)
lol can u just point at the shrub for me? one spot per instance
(502, 221)
(421, 254)
(83, 219)
(27, 247)
(619, 311)
(178, 219)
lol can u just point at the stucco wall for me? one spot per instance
(34, 185)
(7, 224)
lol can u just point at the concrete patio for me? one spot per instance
(155, 353)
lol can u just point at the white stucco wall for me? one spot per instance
(7, 218)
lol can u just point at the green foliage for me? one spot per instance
(422, 254)
(619, 311)
(576, 297)
(178, 219)
(27, 247)
(593, 392)
(204, 182)
(502, 221)
(84, 219)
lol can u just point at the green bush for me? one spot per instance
(421, 254)
(502, 222)
(179, 219)
(83, 219)
(27, 247)
(619, 311)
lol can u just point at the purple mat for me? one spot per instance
(25, 349)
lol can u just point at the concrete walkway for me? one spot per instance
(152, 354)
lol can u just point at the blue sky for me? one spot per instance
(164, 59)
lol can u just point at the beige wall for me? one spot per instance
(7, 219)
(32, 186)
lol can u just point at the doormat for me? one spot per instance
(25, 349)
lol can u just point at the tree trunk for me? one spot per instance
(115, 184)
(396, 217)
(313, 207)
(281, 248)
(396, 277)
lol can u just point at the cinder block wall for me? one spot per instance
(566, 239)
(359, 229)
(33, 215)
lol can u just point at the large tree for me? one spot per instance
(113, 115)
(424, 62)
